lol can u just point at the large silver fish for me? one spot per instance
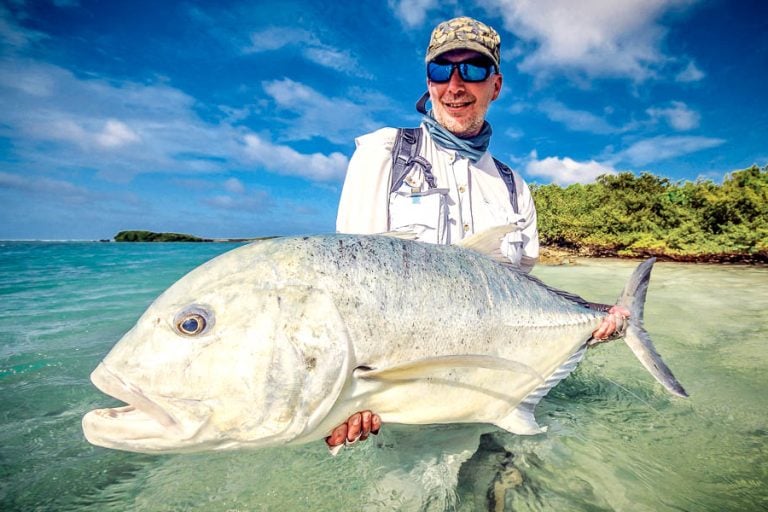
(279, 341)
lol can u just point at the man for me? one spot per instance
(454, 187)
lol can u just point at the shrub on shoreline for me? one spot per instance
(646, 215)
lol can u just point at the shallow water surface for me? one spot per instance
(616, 439)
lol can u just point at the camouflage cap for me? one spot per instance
(465, 33)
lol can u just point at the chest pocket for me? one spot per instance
(425, 213)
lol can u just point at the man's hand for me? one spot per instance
(357, 427)
(614, 321)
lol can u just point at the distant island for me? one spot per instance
(151, 236)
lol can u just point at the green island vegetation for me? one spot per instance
(150, 236)
(639, 216)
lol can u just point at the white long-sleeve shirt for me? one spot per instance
(468, 198)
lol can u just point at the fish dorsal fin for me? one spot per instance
(566, 295)
(421, 368)
(488, 242)
(521, 420)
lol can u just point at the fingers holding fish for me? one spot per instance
(620, 315)
(612, 324)
(337, 437)
(357, 428)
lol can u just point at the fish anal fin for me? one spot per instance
(521, 422)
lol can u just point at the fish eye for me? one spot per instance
(192, 324)
(193, 321)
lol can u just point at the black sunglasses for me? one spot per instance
(475, 70)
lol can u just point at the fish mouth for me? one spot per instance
(130, 426)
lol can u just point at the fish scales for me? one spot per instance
(437, 294)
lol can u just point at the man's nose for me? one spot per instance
(455, 82)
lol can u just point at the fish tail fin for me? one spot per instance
(636, 337)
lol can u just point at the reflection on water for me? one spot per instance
(616, 439)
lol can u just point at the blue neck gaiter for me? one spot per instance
(471, 148)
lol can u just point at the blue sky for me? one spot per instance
(237, 119)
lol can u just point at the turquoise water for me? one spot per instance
(616, 440)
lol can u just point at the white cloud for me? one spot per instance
(193, 184)
(677, 115)
(61, 190)
(12, 35)
(115, 134)
(663, 147)
(309, 45)
(28, 77)
(412, 13)
(286, 160)
(89, 134)
(252, 202)
(514, 133)
(337, 119)
(691, 73)
(56, 120)
(274, 38)
(234, 186)
(332, 58)
(597, 37)
(576, 120)
(566, 171)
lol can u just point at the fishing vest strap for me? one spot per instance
(509, 180)
(405, 154)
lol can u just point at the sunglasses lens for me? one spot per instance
(439, 72)
(473, 72)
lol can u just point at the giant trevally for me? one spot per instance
(279, 341)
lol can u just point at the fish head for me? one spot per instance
(219, 361)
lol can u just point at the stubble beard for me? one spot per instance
(463, 127)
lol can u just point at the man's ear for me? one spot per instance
(498, 79)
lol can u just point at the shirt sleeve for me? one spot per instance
(530, 230)
(364, 202)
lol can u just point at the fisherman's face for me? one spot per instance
(461, 106)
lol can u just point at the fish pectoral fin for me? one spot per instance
(521, 422)
(488, 242)
(427, 366)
